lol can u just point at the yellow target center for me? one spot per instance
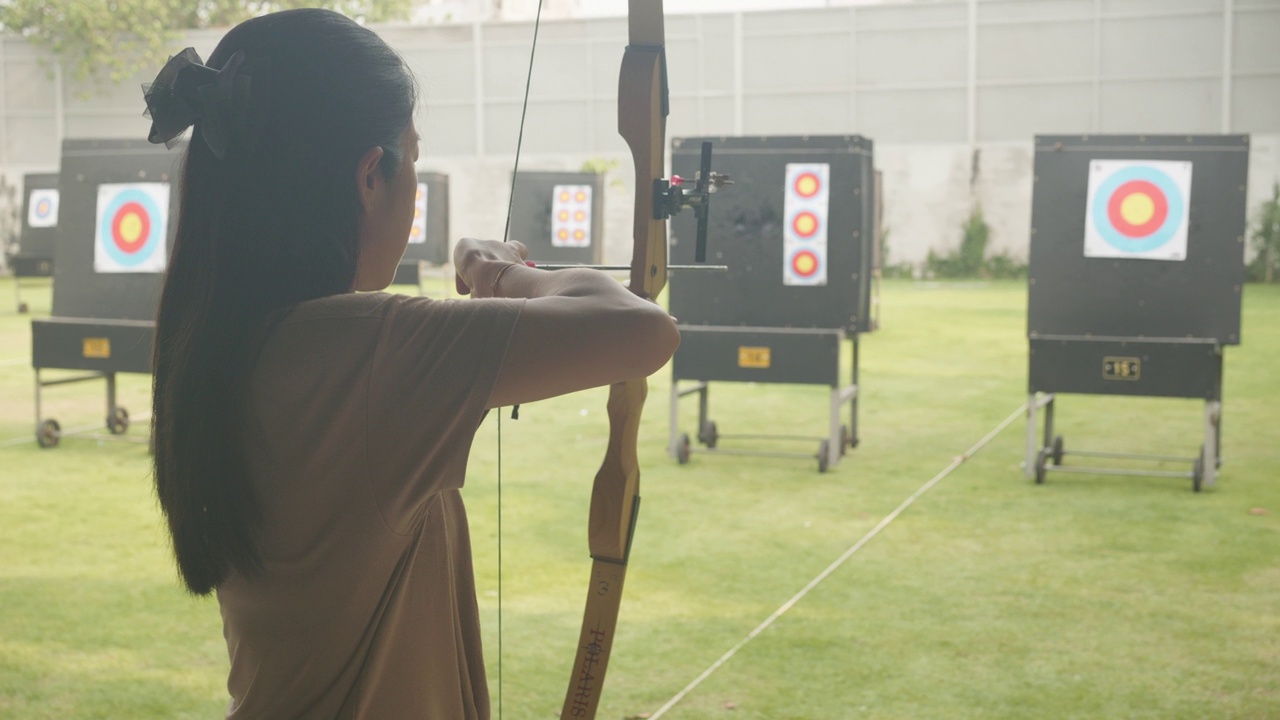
(807, 185)
(1138, 208)
(131, 228)
(805, 264)
(805, 224)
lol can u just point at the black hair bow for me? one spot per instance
(228, 103)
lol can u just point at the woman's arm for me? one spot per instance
(579, 328)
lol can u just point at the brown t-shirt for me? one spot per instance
(363, 412)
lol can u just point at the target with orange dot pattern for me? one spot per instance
(418, 230)
(1137, 209)
(42, 208)
(132, 224)
(806, 202)
(571, 216)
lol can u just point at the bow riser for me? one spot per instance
(642, 122)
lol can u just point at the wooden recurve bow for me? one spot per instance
(615, 500)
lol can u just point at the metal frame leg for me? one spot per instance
(1212, 414)
(673, 431)
(1048, 422)
(1029, 461)
(853, 405)
(111, 398)
(39, 419)
(833, 428)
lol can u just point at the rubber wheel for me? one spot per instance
(1197, 472)
(709, 434)
(823, 448)
(23, 308)
(1042, 458)
(1057, 450)
(845, 442)
(118, 422)
(684, 449)
(49, 434)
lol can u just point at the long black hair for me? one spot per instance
(272, 223)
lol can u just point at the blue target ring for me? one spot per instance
(1158, 237)
(155, 237)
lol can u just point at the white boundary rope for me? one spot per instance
(838, 562)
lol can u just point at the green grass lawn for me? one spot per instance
(991, 597)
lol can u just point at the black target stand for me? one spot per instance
(103, 322)
(796, 233)
(33, 256)
(1135, 274)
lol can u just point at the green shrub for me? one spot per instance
(971, 260)
(1265, 266)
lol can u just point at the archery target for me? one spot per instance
(1138, 209)
(571, 216)
(418, 230)
(42, 208)
(806, 202)
(133, 222)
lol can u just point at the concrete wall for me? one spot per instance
(952, 91)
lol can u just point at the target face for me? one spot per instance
(806, 206)
(42, 208)
(571, 216)
(133, 222)
(418, 230)
(1138, 210)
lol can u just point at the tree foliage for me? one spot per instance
(112, 40)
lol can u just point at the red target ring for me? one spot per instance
(807, 185)
(130, 227)
(805, 224)
(805, 264)
(1137, 209)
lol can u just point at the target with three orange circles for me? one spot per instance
(1138, 209)
(131, 229)
(418, 230)
(571, 216)
(806, 205)
(42, 208)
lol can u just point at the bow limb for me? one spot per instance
(615, 500)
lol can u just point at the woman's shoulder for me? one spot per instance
(340, 307)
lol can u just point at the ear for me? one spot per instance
(369, 177)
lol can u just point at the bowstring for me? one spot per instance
(515, 410)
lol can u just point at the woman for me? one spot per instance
(310, 442)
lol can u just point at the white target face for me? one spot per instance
(42, 208)
(571, 216)
(418, 230)
(1138, 209)
(805, 209)
(133, 222)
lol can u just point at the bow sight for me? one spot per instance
(670, 197)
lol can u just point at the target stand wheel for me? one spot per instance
(845, 441)
(1042, 458)
(1197, 472)
(1057, 450)
(684, 449)
(709, 434)
(823, 448)
(49, 434)
(118, 421)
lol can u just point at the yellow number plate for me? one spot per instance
(97, 348)
(754, 357)
(1121, 368)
